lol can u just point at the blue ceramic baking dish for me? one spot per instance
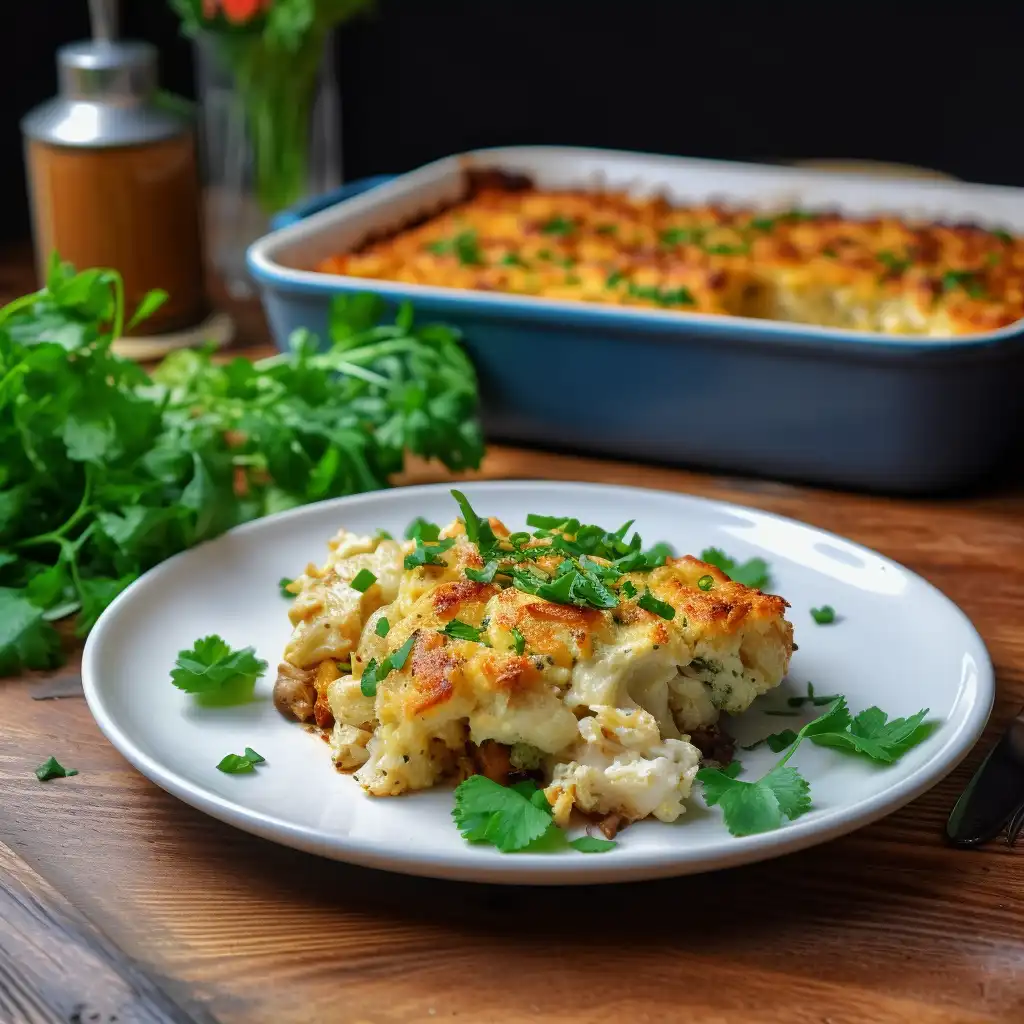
(823, 405)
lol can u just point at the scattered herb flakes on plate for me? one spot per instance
(51, 768)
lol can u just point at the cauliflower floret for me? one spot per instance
(622, 765)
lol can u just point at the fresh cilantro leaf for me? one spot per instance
(872, 734)
(591, 844)
(824, 616)
(237, 764)
(51, 768)
(420, 529)
(658, 554)
(894, 264)
(374, 673)
(26, 638)
(817, 699)
(614, 279)
(732, 769)
(518, 640)
(651, 604)
(548, 522)
(628, 590)
(968, 280)
(383, 627)
(765, 224)
(363, 580)
(503, 816)
(484, 575)
(283, 584)
(752, 573)
(752, 807)
(213, 669)
(681, 236)
(253, 756)
(368, 680)
(462, 631)
(512, 259)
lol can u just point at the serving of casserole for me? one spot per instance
(564, 653)
(880, 273)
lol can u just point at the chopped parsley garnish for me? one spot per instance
(824, 616)
(363, 580)
(513, 818)
(459, 630)
(650, 603)
(484, 575)
(706, 582)
(777, 741)
(283, 584)
(797, 215)
(681, 236)
(239, 764)
(663, 297)
(512, 259)
(727, 250)
(212, 669)
(558, 225)
(752, 573)
(374, 673)
(628, 589)
(816, 699)
(966, 279)
(464, 246)
(383, 627)
(420, 529)
(614, 279)
(1004, 236)
(893, 264)
(51, 768)
(762, 805)
(763, 223)
(606, 229)
(428, 554)
(518, 640)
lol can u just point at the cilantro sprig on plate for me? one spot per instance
(752, 573)
(514, 818)
(216, 673)
(106, 471)
(782, 792)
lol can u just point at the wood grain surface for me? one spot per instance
(888, 924)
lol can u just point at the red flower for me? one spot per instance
(236, 11)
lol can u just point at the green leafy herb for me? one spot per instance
(614, 279)
(777, 741)
(106, 471)
(723, 249)
(752, 573)
(428, 554)
(383, 627)
(824, 616)
(283, 584)
(484, 575)
(1004, 236)
(51, 768)
(765, 224)
(512, 259)
(799, 215)
(518, 640)
(681, 236)
(651, 604)
(375, 673)
(363, 580)
(628, 590)
(512, 818)
(478, 530)
(663, 297)
(760, 806)
(420, 529)
(968, 280)
(591, 844)
(462, 631)
(606, 229)
(239, 764)
(706, 582)
(894, 264)
(558, 225)
(464, 246)
(213, 669)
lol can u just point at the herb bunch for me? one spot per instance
(105, 471)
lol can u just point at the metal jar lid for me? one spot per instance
(108, 97)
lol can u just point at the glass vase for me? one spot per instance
(237, 210)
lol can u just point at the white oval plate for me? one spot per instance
(898, 643)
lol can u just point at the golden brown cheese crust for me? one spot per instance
(879, 273)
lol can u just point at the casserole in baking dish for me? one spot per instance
(839, 406)
(880, 273)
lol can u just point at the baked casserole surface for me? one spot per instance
(882, 274)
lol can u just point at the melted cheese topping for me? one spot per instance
(880, 274)
(603, 701)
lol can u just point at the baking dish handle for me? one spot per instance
(300, 211)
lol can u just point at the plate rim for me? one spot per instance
(525, 868)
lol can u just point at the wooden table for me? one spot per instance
(117, 902)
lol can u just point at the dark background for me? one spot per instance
(922, 84)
